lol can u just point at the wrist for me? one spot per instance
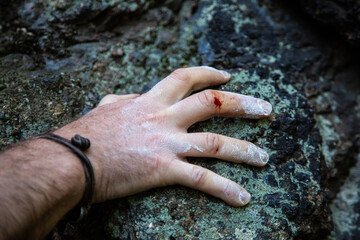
(66, 171)
(94, 155)
(45, 181)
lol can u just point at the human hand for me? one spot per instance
(141, 142)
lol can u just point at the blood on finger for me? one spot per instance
(217, 102)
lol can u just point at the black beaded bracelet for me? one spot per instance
(77, 144)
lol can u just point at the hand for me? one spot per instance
(141, 142)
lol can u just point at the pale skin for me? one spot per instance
(138, 142)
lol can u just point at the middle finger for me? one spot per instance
(208, 103)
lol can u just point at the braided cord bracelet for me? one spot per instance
(77, 145)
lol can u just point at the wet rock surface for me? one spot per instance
(58, 58)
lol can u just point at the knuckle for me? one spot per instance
(206, 98)
(198, 176)
(213, 142)
(181, 74)
(106, 97)
(110, 98)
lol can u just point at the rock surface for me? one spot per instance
(345, 207)
(341, 16)
(59, 57)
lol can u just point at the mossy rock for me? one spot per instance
(134, 47)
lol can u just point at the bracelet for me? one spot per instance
(77, 144)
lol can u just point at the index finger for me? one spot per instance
(182, 82)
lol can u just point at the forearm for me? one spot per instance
(40, 181)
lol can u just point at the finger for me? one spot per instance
(208, 103)
(202, 179)
(183, 81)
(222, 147)
(111, 98)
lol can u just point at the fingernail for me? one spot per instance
(264, 157)
(225, 74)
(266, 107)
(244, 197)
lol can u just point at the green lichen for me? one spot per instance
(328, 133)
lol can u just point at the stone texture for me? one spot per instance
(345, 207)
(339, 15)
(59, 57)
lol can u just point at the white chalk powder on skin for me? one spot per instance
(197, 148)
(255, 155)
(235, 151)
(224, 73)
(253, 107)
(179, 147)
(187, 148)
(248, 153)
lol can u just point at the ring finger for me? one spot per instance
(222, 147)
